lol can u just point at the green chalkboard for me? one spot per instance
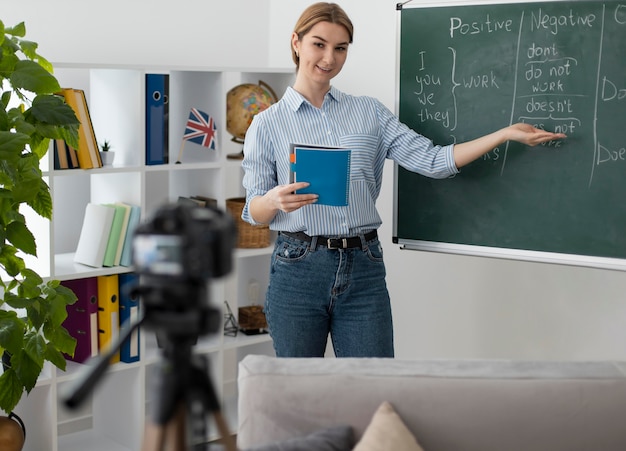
(466, 71)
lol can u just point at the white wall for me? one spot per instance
(444, 305)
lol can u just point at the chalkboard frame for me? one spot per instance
(481, 250)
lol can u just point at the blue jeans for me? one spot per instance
(314, 291)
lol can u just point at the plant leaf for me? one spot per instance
(52, 109)
(42, 203)
(28, 363)
(11, 331)
(62, 341)
(12, 145)
(11, 390)
(55, 356)
(11, 262)
(4, 117)
(22, 238)
(30, 76)
(18, 30)
(29, 48)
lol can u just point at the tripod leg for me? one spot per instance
(169, 437)
(208, 397)
(226, 437)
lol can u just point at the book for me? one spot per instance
(327, 169)
(94, 235)
(71, 152)
(108, 313)
(157, 117)
(61, 160)
(189, 201)
(206, 201)
(124, 228)
(110, 255)
(88, 151)
(197, 201)
(129, 314)
(133, 222)
(64, 155)
(82, 318)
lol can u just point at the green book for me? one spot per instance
(115, 234)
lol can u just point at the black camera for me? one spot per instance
(185, 242)
(179, 249)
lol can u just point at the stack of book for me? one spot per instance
(104, 305)
(198, 201)
(87, 155)
(106, 234)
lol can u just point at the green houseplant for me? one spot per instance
(31, 310)
(106, 154)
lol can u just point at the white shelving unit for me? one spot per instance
(114, 416)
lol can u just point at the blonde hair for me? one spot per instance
(316, 13)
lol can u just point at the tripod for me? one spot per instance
(183, 386)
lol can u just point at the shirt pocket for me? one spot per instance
(363, 158)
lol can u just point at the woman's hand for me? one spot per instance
(467, 152)
(280, 198)
(531, 136)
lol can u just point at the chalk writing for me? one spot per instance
(460, 28)
(547, 90)
(554, 22)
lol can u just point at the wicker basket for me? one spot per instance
(248, 235)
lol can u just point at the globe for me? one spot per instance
(243, 102)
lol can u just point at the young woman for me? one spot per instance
(319, 285)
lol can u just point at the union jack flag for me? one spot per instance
(200, 129)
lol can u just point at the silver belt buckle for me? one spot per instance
(344, 243)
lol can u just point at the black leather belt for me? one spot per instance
(333, 243)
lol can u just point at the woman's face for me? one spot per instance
(322, 51)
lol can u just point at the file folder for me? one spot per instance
(129, 313)
(157, 119)
(108, 313)
(82, 318)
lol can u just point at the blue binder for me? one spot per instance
(129, 311)
(157, 118)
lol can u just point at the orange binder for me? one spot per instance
(108, 313)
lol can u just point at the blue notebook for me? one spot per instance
(327, 169)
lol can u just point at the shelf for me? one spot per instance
(88, 440)
(66, 268)
(113, 417)
(242, 340)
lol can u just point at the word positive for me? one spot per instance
(458, 27)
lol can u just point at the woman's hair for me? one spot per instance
(316, 13)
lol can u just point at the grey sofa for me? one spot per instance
(448, 405)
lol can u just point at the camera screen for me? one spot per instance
(158, 254)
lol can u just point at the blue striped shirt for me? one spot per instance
(362, 124)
